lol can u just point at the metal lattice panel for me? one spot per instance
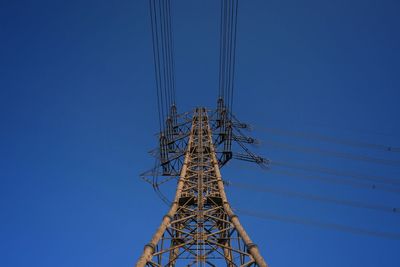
(200, 228)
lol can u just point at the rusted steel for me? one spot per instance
(200, 227)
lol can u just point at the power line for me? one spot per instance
(234, 54)
(332, 153)
(160, 15)
(333, 180)
(227, 57)
(154, 34)
(167, 77)
(341, 180)
(313, 197)
(330, 139)
(330, 226)
(321, 169)
(171, 49)
(221, 40)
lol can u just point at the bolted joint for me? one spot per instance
(234, 216)
(151, 246)
(250, 246)
(168, 216)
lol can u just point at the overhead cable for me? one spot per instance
(164, 66)
(379, 179)
(313, 197)
(339, 154)
(330, 226)
(330, 139)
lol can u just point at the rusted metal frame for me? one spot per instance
(216, 218)
(223, 255)
(189, 250)
(157, 249)
(177, 256)
(189, 217)
(190, 171)
(185, 115)
(212, 227)
(161, 246)
(174, 247)
(178, 230)
(253, 249)
(216, 239)
(182, 141)
(228, 247)
(173, 257)
(183, 125)
(239, 242)
(185, 207)
(212, 209)
(173, 235)
(179, 146)
(207, 262)
(183, 219)
(218, 232)
(199, 151)
(227, 233)
(217, 225)
(210, 178)
(149, 249)
(172, 254)
(210, 252)
(190, 177)
(188, 181)
(179, 137)
(219, 211)
(175, 165)
(248, 263)
(154, 264)
(175, 156)
(212, 235)
(209, 227)
(210, 173)
(228, 256)
(217, 205)
(210, 224)
(179, 215)
(191, 220)
(191, 231)
(192, 187)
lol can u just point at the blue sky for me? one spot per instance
(78, 116)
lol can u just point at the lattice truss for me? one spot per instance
(225, 129)
(200, 229)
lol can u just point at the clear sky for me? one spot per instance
(77, 118)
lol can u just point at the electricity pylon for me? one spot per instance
(200, 229)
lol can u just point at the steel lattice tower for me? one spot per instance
(200, 228)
